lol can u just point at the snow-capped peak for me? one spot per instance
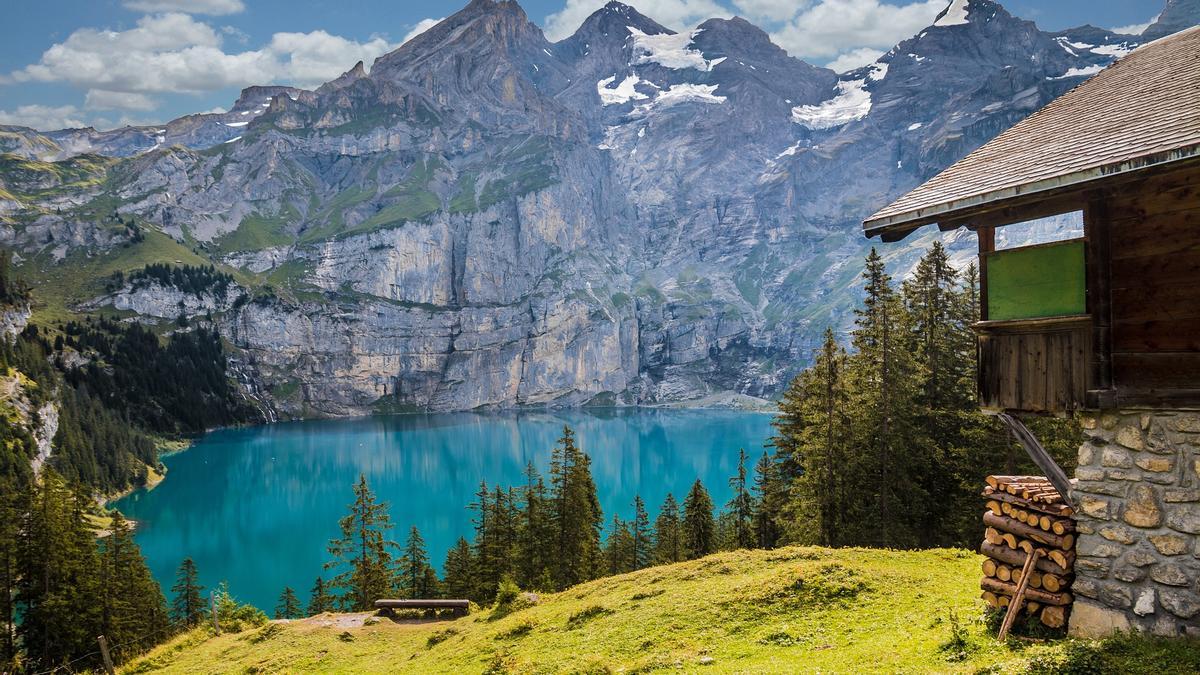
(670, 50)
(954, 15)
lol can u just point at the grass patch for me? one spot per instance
(257, 232)
(578, 619)
(857, 610)
(441, 636)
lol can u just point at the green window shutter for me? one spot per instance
(1037, 281)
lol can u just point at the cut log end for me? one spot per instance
(1054, 616)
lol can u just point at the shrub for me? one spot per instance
(959, 646)
(587, 614)
(440, 636)
(233, 616)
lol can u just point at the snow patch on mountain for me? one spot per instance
(670, 50)
(1117, 50)
(955, 14)
(1079, 72)
(684, 93)
(853, 102)
(622, 93)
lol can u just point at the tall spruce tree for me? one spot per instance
(288, 605)
(412, 578)
(642, 553)
(58, 593)
(770, 500)
(133, 613)
(187, 607)
(458, 569)
(362, 552)
(575, 513)
(535, 536)
(825, 508)
(699, 528)
(618, 549)
(741, 507)
(495, 540)
(319, 600)
(668, 532)
(882, 376)
(9, 561)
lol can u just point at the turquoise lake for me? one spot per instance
(256, 506)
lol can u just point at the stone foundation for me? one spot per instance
(1138, 503)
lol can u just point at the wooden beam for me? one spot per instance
(1021, 212)
(987, 244)
(1097, 233)
(1054, 473)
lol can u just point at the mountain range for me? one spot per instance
(488, 219)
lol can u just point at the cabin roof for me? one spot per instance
(1142, 111)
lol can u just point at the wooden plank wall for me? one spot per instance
(1155, 282)
(1039, 366)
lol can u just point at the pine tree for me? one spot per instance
(319, 601)
(412, 580)
(575, 513)
(133, 613)
(188, 605)
(458, 570)
(58, 592)
(770, 499)
(882, 376)
(288, 606)
(618, 550)
(9, 533)
(362, 552)
(741, 507)
(699, 529)
(642, 554)
(668, 533)
(932, 300)
(484, 568)
(495, 540)
(821, 508)
(535, 536)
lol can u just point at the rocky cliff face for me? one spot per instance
(487, 219)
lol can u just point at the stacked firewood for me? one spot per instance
(1026, 517)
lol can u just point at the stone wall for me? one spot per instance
(1138, 502)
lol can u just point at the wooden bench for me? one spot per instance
(458, 607)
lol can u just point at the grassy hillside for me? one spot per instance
(784, 611)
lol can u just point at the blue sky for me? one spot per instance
(112, 62)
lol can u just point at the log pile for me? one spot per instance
(1024, 515)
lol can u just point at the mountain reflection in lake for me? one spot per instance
(256, 506)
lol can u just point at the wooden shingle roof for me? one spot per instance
(1144, 110)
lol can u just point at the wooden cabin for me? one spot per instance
(1110, 319)
(1103, 324)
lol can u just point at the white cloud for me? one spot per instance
(310, 59)
(43, 117)
(676, 14)
(422, 26)
(833, 28)
(855, 58)
(175, 53)
(215, 7)
(98, 99)
(771, 10)
(1135, 28)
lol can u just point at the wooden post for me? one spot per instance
(212, 601)
(1014, 608)
(987, 244)
(108, 664)
(1099, 296)
(1054, 473)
